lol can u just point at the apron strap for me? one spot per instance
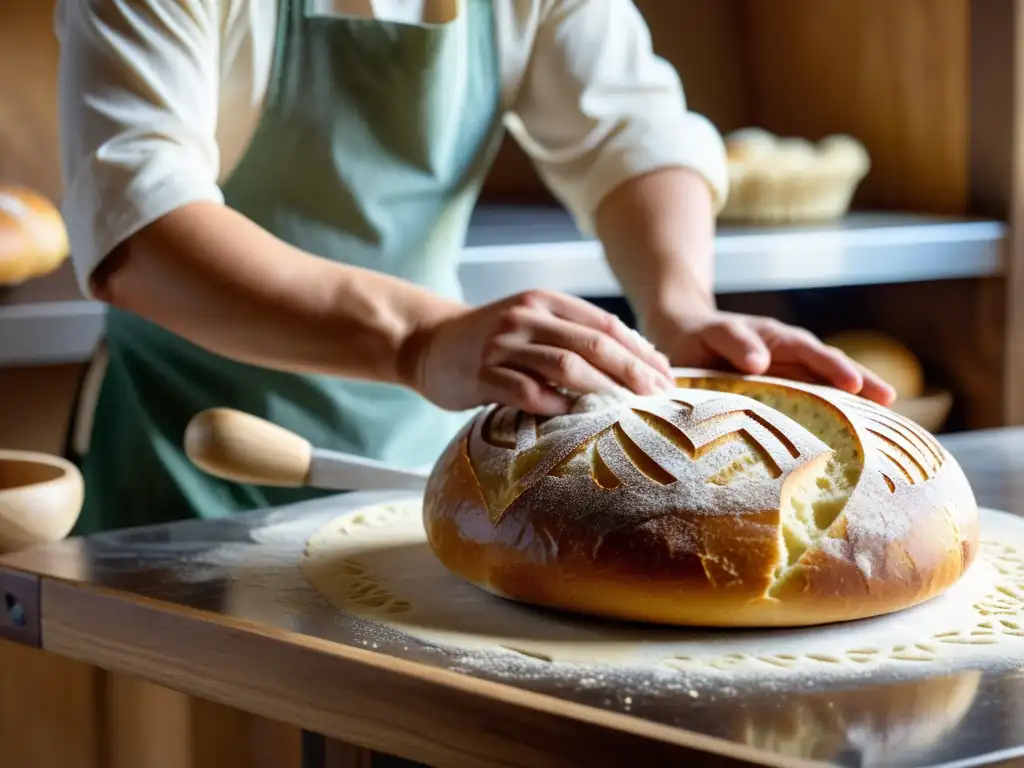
(79, 431)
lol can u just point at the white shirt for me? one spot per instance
(159, 100)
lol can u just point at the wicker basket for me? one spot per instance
(776, 180)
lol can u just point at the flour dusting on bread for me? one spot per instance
(750, 495)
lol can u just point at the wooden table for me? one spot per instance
(137, 602)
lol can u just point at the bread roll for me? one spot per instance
(886, 357)
(730, 501)
(33, 239)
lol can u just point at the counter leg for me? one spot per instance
(314, 750)
(321, 752)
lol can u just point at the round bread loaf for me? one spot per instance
(886, 357)
(33, 238)
(730, 501)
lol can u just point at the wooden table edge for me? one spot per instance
(463, 721)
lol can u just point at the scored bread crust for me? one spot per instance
(709, 506)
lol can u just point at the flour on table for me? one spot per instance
(375, 563)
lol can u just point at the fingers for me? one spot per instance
(826, 362)
(584, 313)
(549, 340)
(573, 344)
(739, 344)
(833, 367)
(520, 390)
(876, 388)
(600, 353)
(562, 367)
(840, 371)
(794, 372)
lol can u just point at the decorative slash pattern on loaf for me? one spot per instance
(730, 501)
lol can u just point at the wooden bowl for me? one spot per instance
(40, 499)
(930, 410)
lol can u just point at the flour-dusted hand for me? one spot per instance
(761, 345)
(523, 350)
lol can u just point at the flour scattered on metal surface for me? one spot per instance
(375, 563)
(366, 576)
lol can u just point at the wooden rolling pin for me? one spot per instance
(247, 449)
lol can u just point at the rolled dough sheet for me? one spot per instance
(375, 563)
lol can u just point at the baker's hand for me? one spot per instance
(520, 350)
(707, 338)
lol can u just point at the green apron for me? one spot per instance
(372, 146)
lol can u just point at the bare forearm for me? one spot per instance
(217, 279)
(658, 233)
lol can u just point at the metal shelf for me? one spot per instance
(50, 332)
(514, 248)
(511, 249)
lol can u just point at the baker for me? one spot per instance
(272, 197)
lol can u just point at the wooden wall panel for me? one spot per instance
(28, 101)
(961, 345)
(703, 40)
(997, 171)
(35, 405)
(893, 74)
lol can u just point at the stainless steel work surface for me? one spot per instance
(939, 714)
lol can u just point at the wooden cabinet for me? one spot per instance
(28, 104)
(48, 710)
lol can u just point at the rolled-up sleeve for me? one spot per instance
(138, 92)
(597, 107)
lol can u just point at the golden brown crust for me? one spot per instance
(672, 513)
(33, 238)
